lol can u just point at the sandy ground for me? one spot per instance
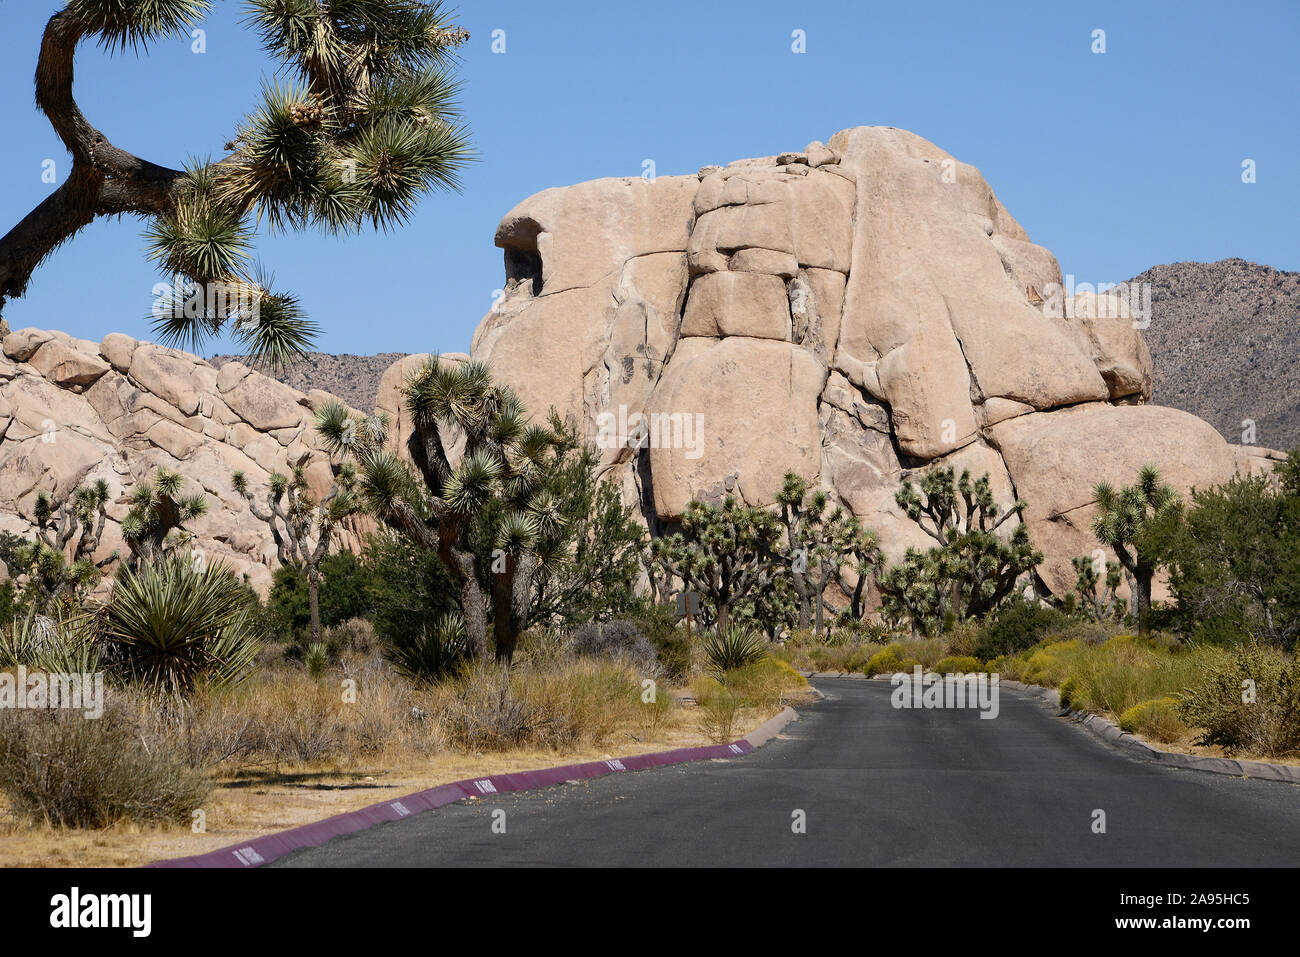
(254, 803)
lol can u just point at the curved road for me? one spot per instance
(878, 786)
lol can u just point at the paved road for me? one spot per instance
(879, 786)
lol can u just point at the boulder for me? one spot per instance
(857, 311)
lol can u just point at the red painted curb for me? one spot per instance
(263, 850)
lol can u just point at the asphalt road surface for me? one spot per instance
(878, 786)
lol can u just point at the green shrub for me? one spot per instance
(889, 660)
(1155, 718)
(1017, 626)
(733, 647)
(346, 592)
(1069, 691)
(1221, 703)
(58, 767)
(671, 644)
(957, 664)
(408, 587)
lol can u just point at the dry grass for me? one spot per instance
(287, 749)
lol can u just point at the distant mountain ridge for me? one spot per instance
(1224, 338)
(354, 379)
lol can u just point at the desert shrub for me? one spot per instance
(172, 624)
(8, 601)
(585, 702)
(59, 767)
(481, 712)
(1235, 562)
(67, 640)
(289, 718)
(346, 592)
(1017, 626)
(767, 684)
(435, 653)
(544, 646)
(1221, 704)
(1155, 718)
(719, 712)
(615, 640)
(764, 685)
(408, 587)
(889, 660)
(734, 646)
(957, 664)
(355, 635)
(1069, 691)
(669, 640)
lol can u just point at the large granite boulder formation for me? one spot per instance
(851, 312)
(74, 411)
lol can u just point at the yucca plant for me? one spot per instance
(172, 625)
(436, 653)
(733, 646)
(66, 641)
(317, 659)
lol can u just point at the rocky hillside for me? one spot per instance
(355, 379)
(1224, 338)
(73, 412)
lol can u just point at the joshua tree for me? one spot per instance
(78, 517)
(301, 528)
(1097, 593)
(1131, 521)
(363, 126)
(497, 489)
(819, 543)
(726, 552)
(157, 510)
(972, 570)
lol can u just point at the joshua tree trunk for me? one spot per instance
(313, 600)
(1142, 575)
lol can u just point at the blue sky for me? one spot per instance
(1114, 161)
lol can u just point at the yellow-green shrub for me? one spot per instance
(957, 664)
(1156, 718)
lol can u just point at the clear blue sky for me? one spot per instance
(1115, 162)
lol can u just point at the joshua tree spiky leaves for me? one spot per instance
(1096, 592)
(80, 517)
(363, 125)
(972, 569)
(726, 552)
(1129, 521)
(499, 484)
(303, 529)
(820, 543)
(159, 509)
